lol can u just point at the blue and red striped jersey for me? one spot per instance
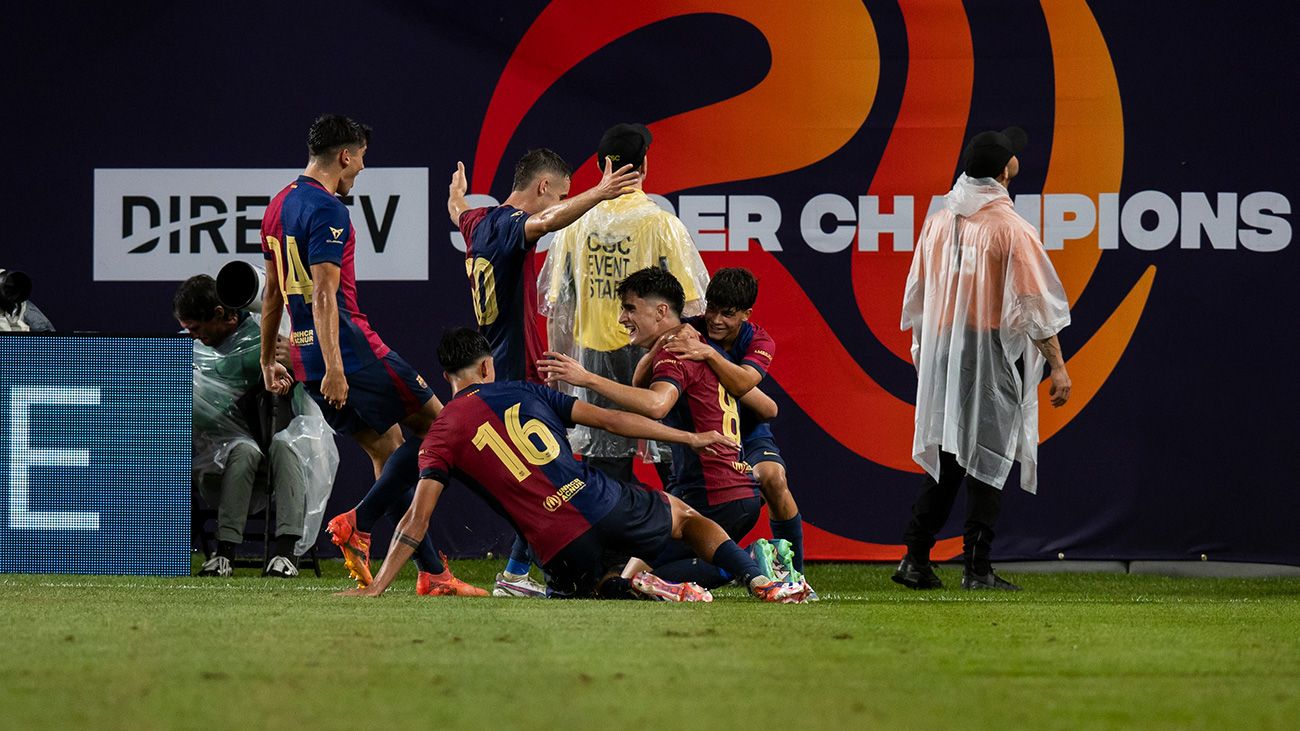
(718, 476)
(307, 218)
(507, 442)
(753, 346)
(500, 263)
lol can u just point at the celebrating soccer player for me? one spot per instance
(364, 389)
(506, 441)
(499, 243)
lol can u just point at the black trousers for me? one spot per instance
(934, 505)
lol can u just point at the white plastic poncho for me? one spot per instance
(576, 292)
(981, 289)
(225, 373)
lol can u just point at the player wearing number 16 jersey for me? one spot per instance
(506, 441)
(499, 256)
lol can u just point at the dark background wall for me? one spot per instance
(1187, 446)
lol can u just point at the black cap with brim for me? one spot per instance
(624, 144)
(987, 153)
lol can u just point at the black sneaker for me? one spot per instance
(914, 575)
(991, 580)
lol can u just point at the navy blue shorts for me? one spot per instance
(379, 395)
(762, 449)
(640, 524)
(737, 518)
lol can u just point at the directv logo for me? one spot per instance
(165, 225)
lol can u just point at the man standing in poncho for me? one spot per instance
(577, 290)
(984, 306)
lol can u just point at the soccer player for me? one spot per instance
(364, 389)
(740, 353)
(684, 394)
(499, 243)
(506, 441)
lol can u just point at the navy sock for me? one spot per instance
(730, 558)
(616, 587)
(693, 569)
(401, 472)
(520, 557)
(791, 529)
(426, 554)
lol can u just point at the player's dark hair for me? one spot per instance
(196, 299)
(653, 282)
(461, 348)
(331, 131)
(732, 288)
(537, 162)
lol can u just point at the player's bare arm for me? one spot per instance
(627, 424)
(760, 403)
(645, 367)
(456, 203)
(613, 184)
(737, 379)
(1060, 388)
(406, 538)
(325, 313)
(654, 402)
(275, 375)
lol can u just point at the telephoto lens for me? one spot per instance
(15, 288)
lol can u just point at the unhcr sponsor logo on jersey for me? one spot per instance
(553, 501)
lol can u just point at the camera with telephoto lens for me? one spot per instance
(15, 288)
(239, 286)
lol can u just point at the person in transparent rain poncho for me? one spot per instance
(984, 306)
(576, 292)
(303, 458)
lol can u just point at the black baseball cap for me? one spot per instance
(987, 153)
(625, 144)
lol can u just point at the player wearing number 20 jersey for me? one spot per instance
(499, 261)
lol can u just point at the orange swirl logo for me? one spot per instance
(822, 83)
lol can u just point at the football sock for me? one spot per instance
(736, 562)
(791, 529)
(401, 472)
(226, 548)
(693, 569)
(520, 559)
(284, 545)
(426, 555)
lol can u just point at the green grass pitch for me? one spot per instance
(1070, 652)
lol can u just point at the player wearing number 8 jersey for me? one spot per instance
(506, 441)
(685, 394)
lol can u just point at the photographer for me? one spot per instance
(226, 456)
(16, 313)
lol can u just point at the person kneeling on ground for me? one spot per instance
(506, 442)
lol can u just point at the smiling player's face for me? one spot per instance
(354, 161)
(642, 318)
